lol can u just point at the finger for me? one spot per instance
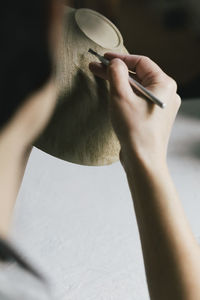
(148, 72)
(118, 78)
(99, 70)
(116, 73)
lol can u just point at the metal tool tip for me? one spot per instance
(92, 52)
(163, 105)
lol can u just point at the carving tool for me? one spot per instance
(140, 88)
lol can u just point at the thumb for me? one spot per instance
(118, 77)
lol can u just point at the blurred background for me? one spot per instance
(168, 31)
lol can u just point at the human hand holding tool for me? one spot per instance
(139, 125)
(135, 84)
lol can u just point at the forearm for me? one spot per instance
(171, 253)
(13, 161)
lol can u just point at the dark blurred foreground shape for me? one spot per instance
(166, 31)
(25, 57)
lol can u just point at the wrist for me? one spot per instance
(135, 160)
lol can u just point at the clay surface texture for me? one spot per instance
(80, 130)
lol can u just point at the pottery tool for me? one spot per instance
(140, 88)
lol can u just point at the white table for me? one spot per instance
(78, 224)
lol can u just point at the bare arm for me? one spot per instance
(170, 251)
(18, 135)
(13, 163)
(13, 159)
(171, 254)
(15, 146)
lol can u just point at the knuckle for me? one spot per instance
(171, 84)
(115, 64)
(118, 95)
(178, 100)
(116, 68)
(146, 59)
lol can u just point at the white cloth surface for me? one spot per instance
(77, 223)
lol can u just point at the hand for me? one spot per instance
(141, 126)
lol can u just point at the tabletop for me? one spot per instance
(77, 223)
